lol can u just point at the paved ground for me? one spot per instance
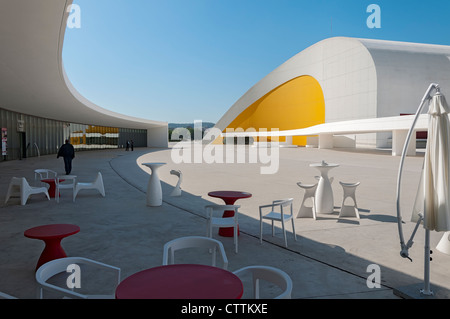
(329, 260)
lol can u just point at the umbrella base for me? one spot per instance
(414, 292)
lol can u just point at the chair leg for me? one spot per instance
(293, 229)
(236, 238)
(273, 230)
(284, 233)
(260, 230)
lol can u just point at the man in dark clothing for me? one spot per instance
(68, 153)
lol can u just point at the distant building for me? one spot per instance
(340, 79)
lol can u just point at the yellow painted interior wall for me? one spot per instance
(298, 103)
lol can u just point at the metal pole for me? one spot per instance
(427, 290)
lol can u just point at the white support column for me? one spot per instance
(326, 141)
(158, 137)
(398, 142)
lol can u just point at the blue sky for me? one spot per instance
(184, 60)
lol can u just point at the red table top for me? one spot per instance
(181, 281)
(52, 231)
(230, 194)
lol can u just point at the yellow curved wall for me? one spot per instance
(298, 103)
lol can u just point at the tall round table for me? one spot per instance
(154, 191)
(52, 236)
(181, 281)
(324, 199)
(229, 197)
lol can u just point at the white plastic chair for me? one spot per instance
(19, 187)
(349, 192)
(194, 242)
(269, 274)
(6, 296)
(284, 214)
(310, 193)
(177, 189)
(57, 266)
(214, 215)
(43, 173)
(71, 182)
(96, 184)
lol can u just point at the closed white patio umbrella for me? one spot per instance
(432, 205)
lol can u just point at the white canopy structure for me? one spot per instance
(32, 76)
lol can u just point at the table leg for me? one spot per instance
(324, 196)
(52, 250)
(228, 231)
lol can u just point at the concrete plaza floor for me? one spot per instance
(329, 260)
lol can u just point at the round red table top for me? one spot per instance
(181, 281)
(52, 231)
(230, 194)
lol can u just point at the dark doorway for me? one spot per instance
(23, 145)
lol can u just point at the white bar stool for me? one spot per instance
(349, 192)
(308, 211)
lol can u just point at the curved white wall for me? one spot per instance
(32, 77)
(360, 79)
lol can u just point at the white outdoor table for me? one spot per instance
(324, 193)
(154, 191)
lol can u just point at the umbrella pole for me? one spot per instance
(427, 290)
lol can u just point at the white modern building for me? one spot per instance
(338, 86)
(39, 107)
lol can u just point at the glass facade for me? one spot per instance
(29, 136)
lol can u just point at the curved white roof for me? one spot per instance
(360, 78)
(32, 76)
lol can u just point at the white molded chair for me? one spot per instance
(19, 187)
(284, 214)
(43, 173)
(349, 192)
(96, 184)
(194, 242)
(71, 182)
(214, 215)
(57, 266)
(6, 296)
(269, 274)
(177, 190)
(310, 193)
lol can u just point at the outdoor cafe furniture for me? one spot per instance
(52, 185)
(52, 236)
(215, 218)
(177, 189)
(324, 199)
(97, 184)
(349, 192)
(43, 173)
(209, 245)
(229, 197)
(154, 190)
(268, 274)
(306, 211)
(71, 182)
(19, 187)
(61, 265)
(279, 210)
(181, 281)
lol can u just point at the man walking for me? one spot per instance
(68, 153)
